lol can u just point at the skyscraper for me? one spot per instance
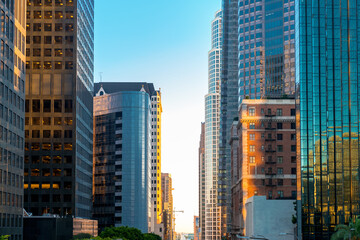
(156, 198)
(12, 98)
(212, 229)
(59, 107)
(202, 182)
(228, 103)
(122, 159)
(327, 62)
(266, 49)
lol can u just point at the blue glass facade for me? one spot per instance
(123, 150)
(228, 104)
(266, 48)
(136, 160)
(328, 71)
(84, 106)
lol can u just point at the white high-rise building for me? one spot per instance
(212, 229)
(156, 224)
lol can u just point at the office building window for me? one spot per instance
(251, 112)
(252, 148)
(252, 136)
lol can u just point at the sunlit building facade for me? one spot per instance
(266, 49)
(122, 154)
(228, 105)
(327, 62)
(59, 107)
(212, 229)
(263, 156)
(12, 115)
(156, 225)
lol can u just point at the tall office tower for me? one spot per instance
(202, 182)
(12, 96)
(59, 106)
(212, 229)
(156, 210)
(266, 49)
(327, 62)
(122, 154)
(264, 161)
(228, 103)
(168, 205)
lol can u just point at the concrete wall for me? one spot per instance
(269, 218)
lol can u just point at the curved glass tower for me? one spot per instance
(212, 229)
(122, 154)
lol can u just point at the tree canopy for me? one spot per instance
(345, 232)
(124, 233)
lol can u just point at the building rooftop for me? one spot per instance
(114, 87)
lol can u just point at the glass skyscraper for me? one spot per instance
(12, 99)
(212, 229)
(228, 104)
(59, 107)
(122, 159)
(266, 49)
(328, 72)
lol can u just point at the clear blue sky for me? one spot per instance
(164, 42)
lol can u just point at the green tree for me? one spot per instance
(127, 233)
(5, 237)
(100, 238)
(345, 232)
(151, 236)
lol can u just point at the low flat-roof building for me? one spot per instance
(57, 228)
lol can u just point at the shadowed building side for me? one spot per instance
(12, 116)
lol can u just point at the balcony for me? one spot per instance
(269, 115)
(270, 128)
(270, 150)
(270, 139)
(270, 185)
(270, 162)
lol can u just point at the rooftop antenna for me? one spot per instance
(101, 74)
